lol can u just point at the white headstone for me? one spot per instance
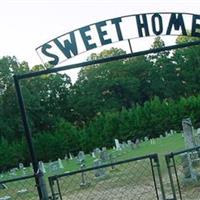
(60, 163)
(41, 167)
(117, 144)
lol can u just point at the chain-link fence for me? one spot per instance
(22, 188)
(137, 179)
(184, 174)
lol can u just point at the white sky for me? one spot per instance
(26, 24)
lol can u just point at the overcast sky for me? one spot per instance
(26, 24)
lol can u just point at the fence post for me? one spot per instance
(154, 158)
(41, 188)
(168, 162)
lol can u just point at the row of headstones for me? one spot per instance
(135, 144)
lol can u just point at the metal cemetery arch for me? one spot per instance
(177, 24)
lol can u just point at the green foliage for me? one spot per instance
(126, 99)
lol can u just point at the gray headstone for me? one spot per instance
(81, 156)
(117, 145)
(104, 156)
(188, 133)
(100, 172)
(41, 167)
(21, 166)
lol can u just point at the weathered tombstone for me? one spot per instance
(93, 155)
(81, 156)
(166, 133)
(188, 133)
(189, 173)
(71, 156)
(146, 139)
(117, 145)
(21, 166)
(99, 172)
(104, 148)
(104, 156)
(66, 157)
(137, 143)
(197, 137)
(60, 165)
(41, 167)
(153, 141)
(171, 132)
(97, 152)
(130, 144)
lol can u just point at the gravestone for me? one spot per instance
(153, 141)
(117, 145)
(188, 133)
(60, 165)
(81, 156)
(93, 155)
(99, 172)
(190, 174)
(21, 166)
(41, 167)
(104, 156)
(130, 144)
(97, 152)
(66, 157)
(137, 143)
(71, 156)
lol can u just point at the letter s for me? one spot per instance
(51, 55)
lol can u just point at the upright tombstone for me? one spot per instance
(130, 144)
(189, 173)
(41, 167)
(104, 156)
(117, 145)
(60, 165)
(81, 156)
(70, 156)
(188, 133)
(97, 152)
(99, 172)
(21, 166)
(93, 155)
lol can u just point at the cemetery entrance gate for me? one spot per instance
(143, 24)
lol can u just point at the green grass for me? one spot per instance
(162, 146)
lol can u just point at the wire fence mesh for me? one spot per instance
(130, 179)
(19, 188)
(184, 173)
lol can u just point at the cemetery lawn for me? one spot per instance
(162, 146)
